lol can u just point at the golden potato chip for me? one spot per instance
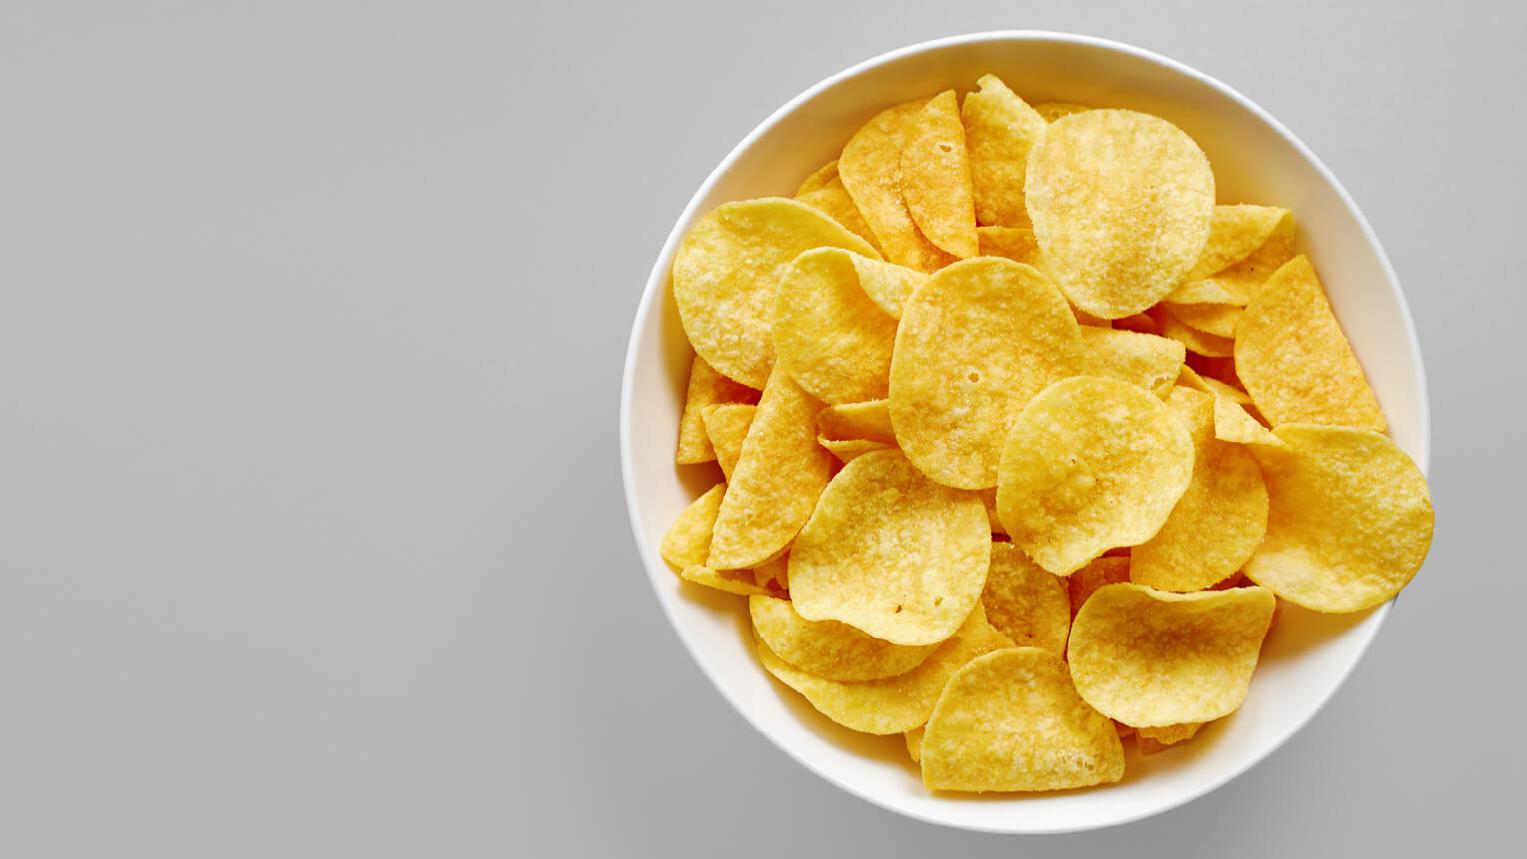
(741, 582)
(1245, 279)
(1216, 319)
(706, 388)
(1053, 110)
(1153, 740)
(1025, 603)
(1102, 571)
(850, 449)
(1150, 658)
(1235, 232)
(886, 284)
(1349, 521)
(726, 271)
(891, 705)
(1220, 519)
(891, 552)
(776, 481)
(870, 169)
(818, 180)
(832, 200)
(868, 420)
(975, 343)
(828, 335)
(914, 739)
(1000, 129)
(1232, 424)
(726, 425)
(1205, 292)
(1090, 464)
(1142, 359)
(688, 539)
(1011, 720)
(1015, 243)
(1200, 342)
(1121, 203)
(773, 577)
(1189, 378)
(935, 177)
(1294, 360)
(828, 649)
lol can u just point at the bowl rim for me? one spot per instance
(658, 278)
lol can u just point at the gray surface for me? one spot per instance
(311, 326)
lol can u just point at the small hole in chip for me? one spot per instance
(944, 147)
(938, 601)
(898, 608)
(974, 376)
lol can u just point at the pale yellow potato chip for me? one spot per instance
(687, 542)
(1294, 360)
(821, 178)
(1142, 359)
(914, 740)
(892, 705)
(935, 177)
(828, 649)
(1090, 464)
(742, 582)
(776, 481)
(1000, 129)
(706, 388)
(975, 343)
(1205, 292)
(870, 168)
(1197, 341)
(1012, 721)
(726, 425)
(1121, 204)
(1243, 280)
(1232, 424)
(726, 271)
(1235, 232)
(832, 200)
(1015, 243)
(1025, 603)
(1349, 521)
(1151, 658)
(868, 420)
(1102, 571)
(891, 552)
(1221, 518)
(1154, 740)
(1053, 110)
(850, 449)
(1190, 378)
(887, 284)
(1216, 319)
(832, 339)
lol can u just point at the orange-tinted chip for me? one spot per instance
(870, 168)
(1000, 129)
(706, 387)
(935, 178)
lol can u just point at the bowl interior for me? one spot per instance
(1307, 655)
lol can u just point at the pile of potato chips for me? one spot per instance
(1023, 436)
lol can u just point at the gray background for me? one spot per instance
(312, 319)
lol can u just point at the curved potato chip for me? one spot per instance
(1221, 518)
(1205, 292)
(727, 425)
(821, 178)
(935, 177)
(776, 481)
(1085, 582)
(1090, 464)
(1294, 360)
(914, 739)
(688, 539)
(1150, 658)
(1121, 203)
(773, 577)
(1190, 378)
(1232, 424)
(850, 449)
(1216, 319)
(1011, 720)
(886, 284)
(870, 168)
(868, 420)
(1000, 129)
(1153, 740)
(828, 335)
(1053, 110)
(1243, 280)
(742, 582)
(891, 705)
(1234, 233)
(727, 268)
(975, 343)
(891, 552)
(1015, 243)
(1200, 342)
(832, 200)
(828, 649)
(706, 388)
(1141, 359)
(1349, 522)
(1025, 603)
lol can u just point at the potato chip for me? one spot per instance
(833, 201)
(975, 343)
(1053, 110)
(1141, 359)
(1015, 243)
(726, 270)
(688, 539)
(1011, 720)
(828, 335)
(776, 481)
(1090, 464)
(1232, 424)
(1083, 583)
(935, 177)
(868, 420)
(1349, 522)
(1190, 378)
(1205, 292)
(850, 449)
(870, 169)
(1216, 319)
(818, 180)
(773, 577)
(1138, 322)
(1220, 519)
(828, 649)
(1025, 603)
(896, 704)
(1121, 203)
(1150, 658)
(1235, 232)
(914, 739)
(1295, 361)
(886, 284)
(706, 388)
(741, 582)
(891, 552)
(1201, 342)
(1000, 129)
(1154, 740)
(726, 425)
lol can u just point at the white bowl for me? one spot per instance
(1255, 160)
